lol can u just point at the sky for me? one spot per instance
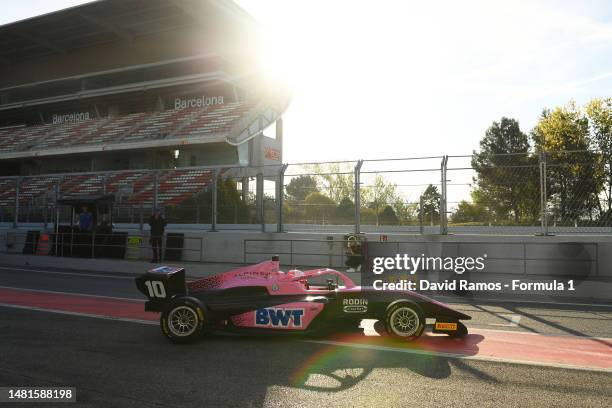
(378, 79)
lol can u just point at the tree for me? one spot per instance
(599, 113)
(379, 195)
(431, 203)
(319, 207)
(407, 213)
(573, 179)
(469, 212)
(337, 183)
(299, 187)
(345, 211)
(388, 216)
(507, 175)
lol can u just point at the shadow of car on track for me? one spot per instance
(331, 363)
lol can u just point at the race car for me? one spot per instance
(259, 299)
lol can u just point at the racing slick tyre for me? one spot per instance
(461, 332)
(183, 320)
(404, 321)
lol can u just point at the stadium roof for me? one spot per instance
(105, 21)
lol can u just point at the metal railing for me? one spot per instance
(519, 193)
(98, 245)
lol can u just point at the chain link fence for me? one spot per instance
(520, 193)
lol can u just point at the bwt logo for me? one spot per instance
(279, 317)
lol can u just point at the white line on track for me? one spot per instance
(470, 302)
(65, 312)
(53, 292)
(478, 328)
(89, 275)
(512, 320)
(453, 355)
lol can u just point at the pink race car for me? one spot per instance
(262, 299)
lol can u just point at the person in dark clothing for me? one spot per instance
(82, 241)
(158, 225)
(85, 220)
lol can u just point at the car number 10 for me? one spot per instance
(156, 289)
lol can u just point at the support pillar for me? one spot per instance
(280, 196)
(358, 196)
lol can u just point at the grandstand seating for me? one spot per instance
(135, 127)
(63, 135)
(179, 185)
(175, 186)
(17, 139)
(7, 192)
(113, 129)
(32, 188)
(216, 120)
(160, 125)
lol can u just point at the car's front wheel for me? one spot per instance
(404, 321)
(183, 320)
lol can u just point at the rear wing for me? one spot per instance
(160, 285)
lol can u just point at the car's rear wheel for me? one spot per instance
(404, 321)
(182, 321)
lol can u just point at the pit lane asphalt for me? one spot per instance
(563, 319)
(115, 363)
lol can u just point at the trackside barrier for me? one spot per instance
(566, 259)
(292, 252)
(133, 247)
(91, 245)
(44, 244)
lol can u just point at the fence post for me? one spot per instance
(155, 189)
(358, 196)
(45, 206)
(16, 215)
(261, 206)
(57, 187)
(245, 189)
(543, 194)
(141, 216)
(421, 216)
(280, 194)
(213, 206)
(443, 198)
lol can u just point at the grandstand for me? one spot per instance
(137, 98)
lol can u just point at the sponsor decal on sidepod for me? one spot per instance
(277, 317)
(355, 305)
